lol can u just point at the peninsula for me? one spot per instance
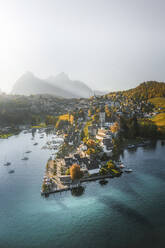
(95, 132)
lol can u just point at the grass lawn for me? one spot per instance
(159, 120)
(115, 171)
(5, 136)
(159, 102)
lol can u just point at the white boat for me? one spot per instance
(25, 158)
(128, 170)
(121, 166)
(131, 146)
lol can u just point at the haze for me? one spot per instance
(110, 45)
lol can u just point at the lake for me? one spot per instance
(127, 212)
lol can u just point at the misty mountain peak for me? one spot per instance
(59, 85)
(27, 75)
(62, 77)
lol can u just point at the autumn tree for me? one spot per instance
(90, 151)
(91, 143)
(89, 112)
(107, 111)
(110, 164)
(95, 118)
(115, 127)
(75, 172)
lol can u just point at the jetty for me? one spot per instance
(61, 188)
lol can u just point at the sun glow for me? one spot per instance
(10, 47)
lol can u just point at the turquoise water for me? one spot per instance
(127, 212)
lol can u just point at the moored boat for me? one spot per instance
(121, 166)
(25, 158)
(162, 142)
(128, 170)
(131, 146)
(7, 164)
(103, 182)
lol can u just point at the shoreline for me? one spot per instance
(60, 187)
(83, 180)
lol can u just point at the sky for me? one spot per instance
(108, 44)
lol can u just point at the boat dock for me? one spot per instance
(63, 188)
(58, 190)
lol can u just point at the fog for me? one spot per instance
(108, 44)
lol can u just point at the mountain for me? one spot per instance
(60, 86)
(145, 91)
(28, 84)
(75, 87)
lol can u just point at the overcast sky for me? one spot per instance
(108, 44)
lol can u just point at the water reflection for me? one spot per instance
(151, 147)
(162, 142)
(103, 182)
(78, 191)
(133, 150)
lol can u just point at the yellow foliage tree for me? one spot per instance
(75, 172)
(66, 117)
(107, 111)
(91, 142)
(91, 151)
(97, 110)
(110, 164)
(89, 112)
(115, 127)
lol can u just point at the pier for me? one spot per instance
(58, 190)
(61, 188)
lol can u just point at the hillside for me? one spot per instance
(144, 91)
(60, 86)
(159, 119)
(28, 84)
(74, 87)
(147, 90)
(158, 102)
